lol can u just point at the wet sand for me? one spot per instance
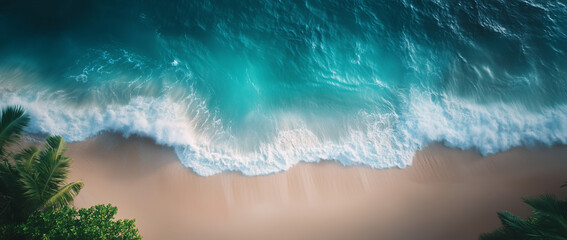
(445, 194)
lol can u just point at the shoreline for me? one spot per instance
(445, 194)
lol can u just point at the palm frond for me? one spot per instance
(51, 174)
(57, 144)
(31, 188)
(549, 207)
(544, 205)
(65, 195)
(12, 124)
(26, 158)
(7, 191)
(5, 168)
(15, 205)
(33, 179)
(8, 179)
(52, 168)
(516, 224)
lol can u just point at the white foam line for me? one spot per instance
(377, 140)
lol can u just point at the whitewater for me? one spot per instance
(258, 86)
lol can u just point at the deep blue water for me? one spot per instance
(257, 86)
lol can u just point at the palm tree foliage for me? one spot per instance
(12, 123)
(548, 222)
(33, 179)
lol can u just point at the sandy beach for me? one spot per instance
(445, 194)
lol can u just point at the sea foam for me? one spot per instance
(376, 140)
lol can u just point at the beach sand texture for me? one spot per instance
(445, 194)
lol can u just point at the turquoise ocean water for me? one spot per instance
(258, 86)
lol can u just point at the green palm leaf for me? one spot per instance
(53, 167)
(551, 207)
(31, 189)
(26, 159)
(57, 145)
(9, 192)
(65, 196)
(48, 174)
(33, 179)
(12, 124)
(516, 224)
(548, 222)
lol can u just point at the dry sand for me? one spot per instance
(445, 194)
